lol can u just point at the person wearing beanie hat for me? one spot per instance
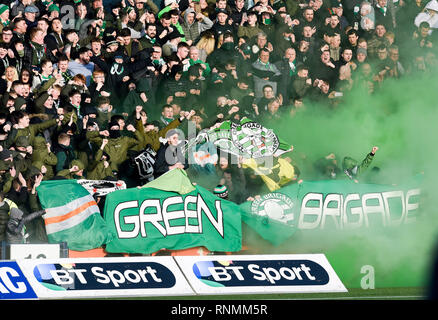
(4, 16)
(111, 43)
(171, 46)
(221, 191)
(361, 55)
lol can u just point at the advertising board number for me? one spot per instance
(34, 251)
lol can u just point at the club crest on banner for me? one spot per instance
(253, 139)
(276, 206)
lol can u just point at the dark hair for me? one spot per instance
(45, 61)
(352, 31)
(63, 58)
(165, 16)
(46, 20)
(423, 24)
(228, 34)
(183, 44)
(174, 12)
(17, 115)
(83, 50)
(73, 92)
(20, 77)
(95, 39)
(102, 100)
(125, 32)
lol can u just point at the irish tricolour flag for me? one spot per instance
(72, 215)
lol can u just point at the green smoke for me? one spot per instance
(401, 119)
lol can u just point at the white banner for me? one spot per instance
(252, 274)
(35, 251)
(105, 277)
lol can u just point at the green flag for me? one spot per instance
(72, 215)
(337, 204)
(273, 216)
(171, 213)
(180, 182)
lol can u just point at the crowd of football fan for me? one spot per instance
(88, 85)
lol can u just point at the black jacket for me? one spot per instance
(167, 156)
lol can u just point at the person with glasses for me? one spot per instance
(7, 35)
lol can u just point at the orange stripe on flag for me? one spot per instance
(70, 214)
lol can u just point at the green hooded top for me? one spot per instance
(41, 154)
(353, 169)
(116, 148)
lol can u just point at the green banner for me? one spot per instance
(336, 204)
(146, 220)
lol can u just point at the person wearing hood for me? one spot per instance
(118, 145)
(22, 157)
(15, 230)
(74, 171)
(118, 72)
(226, 52)
(42, 169)
(194, 24)
(42, 153)
(44, 105)
(100, 169)
(7, 170)
(142, 95)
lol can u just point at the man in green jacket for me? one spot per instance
(117, 146)
(352, 168)
(24, 128)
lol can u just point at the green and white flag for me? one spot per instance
(247, 138)
(72, 215)
(331, 204)
(171, 213)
